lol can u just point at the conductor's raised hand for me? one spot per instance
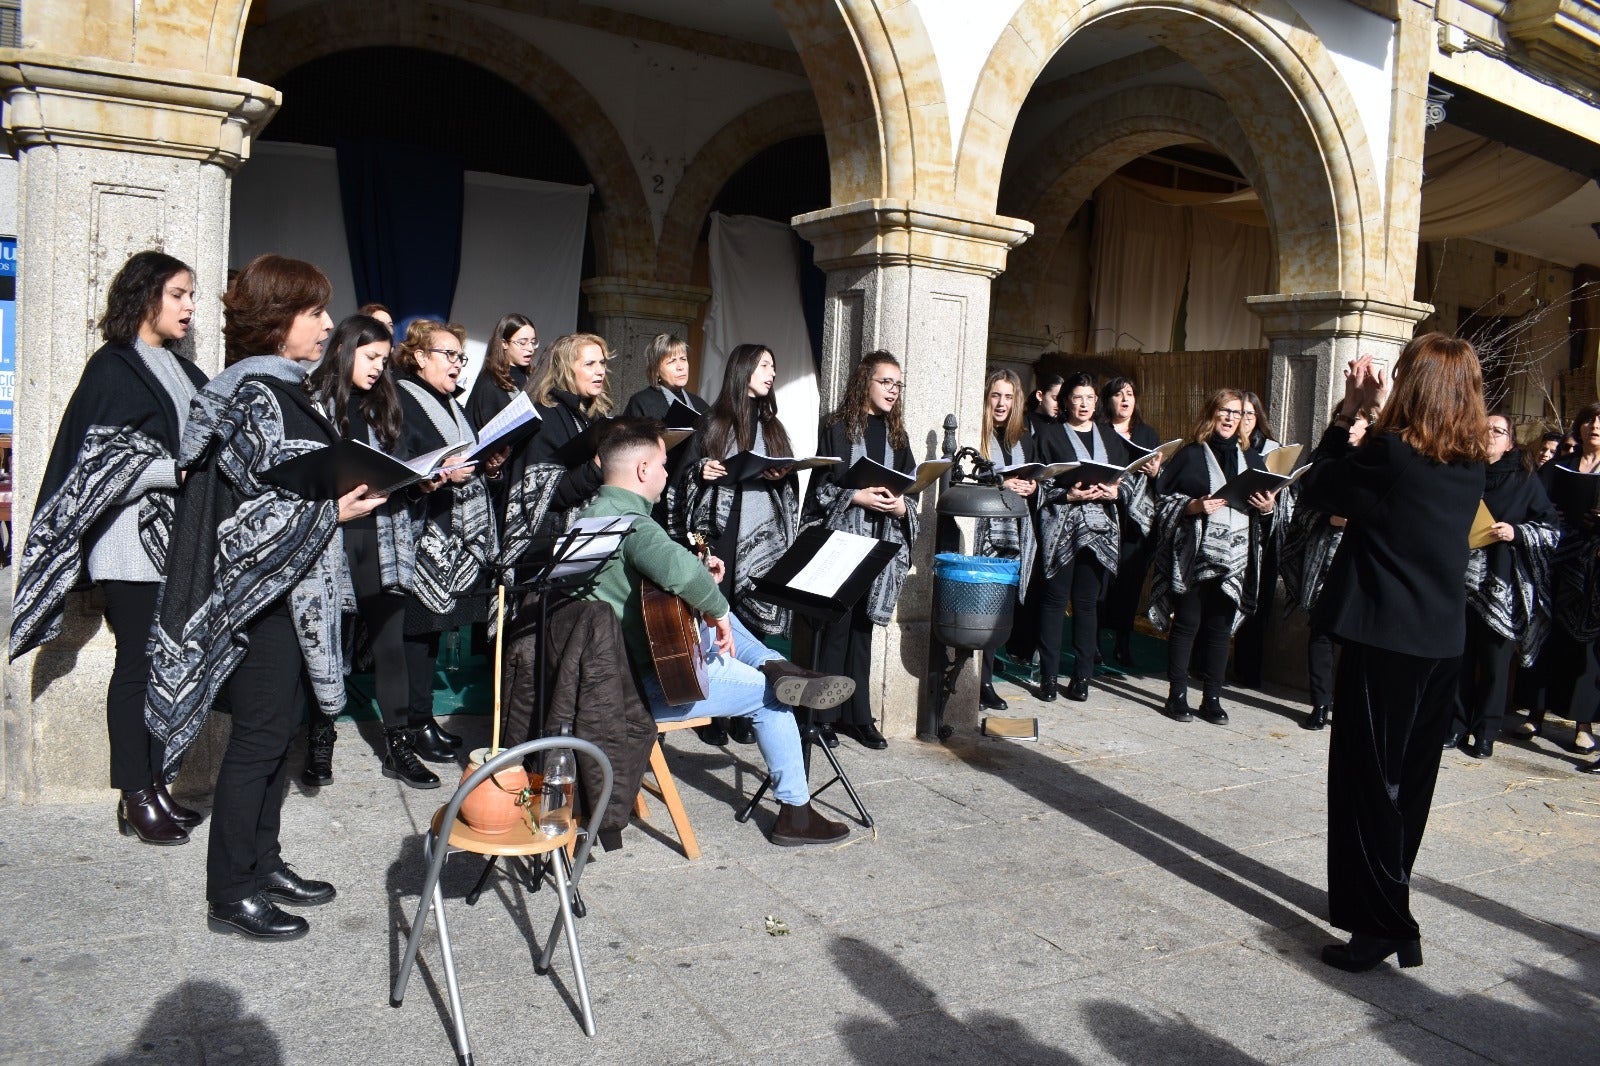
(356, 503)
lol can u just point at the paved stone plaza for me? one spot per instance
(1127, 890)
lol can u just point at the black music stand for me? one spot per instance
(776, 586)
(550, 578)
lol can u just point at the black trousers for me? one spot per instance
(1121, 608)
(1392, 712)
(384, 615)
(130, 612)
(267, 697)
(1250, 642)
(1319, 667)
(1082, 581)
(845, 647)
(422, 654)
(1574, 677)
(1485, 674)
(1203, 614)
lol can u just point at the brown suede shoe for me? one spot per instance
(795, 686)
(801, 824)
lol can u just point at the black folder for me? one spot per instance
(582, 448)
(868, 473)
(681, 416)
(774, 586)
(1574, 494)
(1237, 492)
(746, 466)
(331, 472)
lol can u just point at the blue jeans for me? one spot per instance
(738, 689)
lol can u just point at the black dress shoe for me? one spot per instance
(1047, 688)
(867, 736)
(715, 734)
(285, 886)
(1590, 768)
(1452, 741)
(1479, 747)
(441, 734)
(1318, 718)
(827, 734)
(319, 751)
(1078, 690)
(1177, 706)
(175, 810)
(1122, 654)
(426, 743)
(1211, 711)
(140, 814)
(256, 917)
(401, 763)
(1365, 952)
(990, 700)
(741, 730)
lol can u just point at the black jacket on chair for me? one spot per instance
(1398, 579)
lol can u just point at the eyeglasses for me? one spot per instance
(890, 384)
(1233, 413)
(1496, 431)
(459, 358)
(523, 342)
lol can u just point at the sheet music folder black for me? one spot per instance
(774, 586)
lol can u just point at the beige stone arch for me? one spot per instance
(1283, 89)
(624, 236)
(878, 88)
(201, 35)
(768, 123)
(1084, 150)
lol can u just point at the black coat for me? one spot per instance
(1397, 580)
(652, 403)
(1052, 445)
(1516, 495)
(488, 399)
(563, 421)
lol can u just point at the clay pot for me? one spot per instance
(492, 808)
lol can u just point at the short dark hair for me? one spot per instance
(262, 301)
(625, 436)
(135, 294)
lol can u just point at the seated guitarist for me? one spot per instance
(746, 679)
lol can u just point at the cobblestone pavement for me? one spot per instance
(1127, 890)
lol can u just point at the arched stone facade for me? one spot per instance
(624, 238)
(198, 35)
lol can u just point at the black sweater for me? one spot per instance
(562, 421)
(1397, 581)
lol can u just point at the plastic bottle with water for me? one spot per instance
(555, 805)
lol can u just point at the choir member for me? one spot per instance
(1135, 512)
(506, 359)
(1004, 440)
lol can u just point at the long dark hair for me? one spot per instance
(852, 410)
(1043, 381)
(734, 416)
(497, 360)
(1110, 389)
(1263, 431)
(136, 292)
(329, 384)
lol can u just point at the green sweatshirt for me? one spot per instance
(647, 552)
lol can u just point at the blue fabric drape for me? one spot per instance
(402, 220)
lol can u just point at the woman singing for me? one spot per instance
(106, 505)
(453, 524)
(1005, 442)
(512, 347)
(749, 524)
(1077, 536)
(1207, 557)
(1249, 644)
(351, 390)
(252, 598)
(1136, 510)
(669, 383)
(1410, 491)
(870, 423)
(1508, 589)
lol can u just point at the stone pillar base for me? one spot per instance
(628, 313)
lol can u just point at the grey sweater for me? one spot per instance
(115, 552)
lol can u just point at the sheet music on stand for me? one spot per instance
(824, 573)
(586, 545)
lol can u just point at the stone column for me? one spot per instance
(628, 313)
(115, 158)
(1311, 337)
(912, 278)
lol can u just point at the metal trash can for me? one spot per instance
(974, 597)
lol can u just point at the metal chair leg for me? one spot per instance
(483, 879)
(397, 994)
(573, 949)
(457, 1017)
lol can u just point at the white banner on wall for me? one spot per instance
(286, 200)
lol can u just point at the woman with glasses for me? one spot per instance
(512, 346)
(1078, 537)
(1249, 644)
(1004, 440)
(868, 423)
(1135, 513)
(1508, 589)
(1207, 556)
(749, 524)
(456, 537)
(668, 358)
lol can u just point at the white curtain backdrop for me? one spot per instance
(755, 299)
(286, 200)
(1141, 258)
(1227, 262)
(522, 251)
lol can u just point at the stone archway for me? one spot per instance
(1283, 90)
(763, 126)
(624, 235)
(1085, 149)
(188, 35)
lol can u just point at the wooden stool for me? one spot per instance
(666, 790)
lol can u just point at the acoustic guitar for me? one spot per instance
(676, 649)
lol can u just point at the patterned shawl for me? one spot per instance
(1066, 528)
(830, 506)
(240, 545)
(1008, 538)
(1517, 608)
(1194, 549)
(1305, 555)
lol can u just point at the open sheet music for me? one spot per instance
(747, 465)
(587, 544)
(331, 472)
(516, 423)
(870, 474)
(833, 563)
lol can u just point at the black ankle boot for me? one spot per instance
(175, 810)
(401, 762)
(319, 751)
(715, 734)
(1211, 710)
(1177, 705)
(428, 744)
(1365, 952)
(140, 814)
(1318, 718)
(990, 700)
(1047, 688)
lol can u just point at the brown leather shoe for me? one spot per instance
(795, 686)
(801, 824)
(140, 814)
